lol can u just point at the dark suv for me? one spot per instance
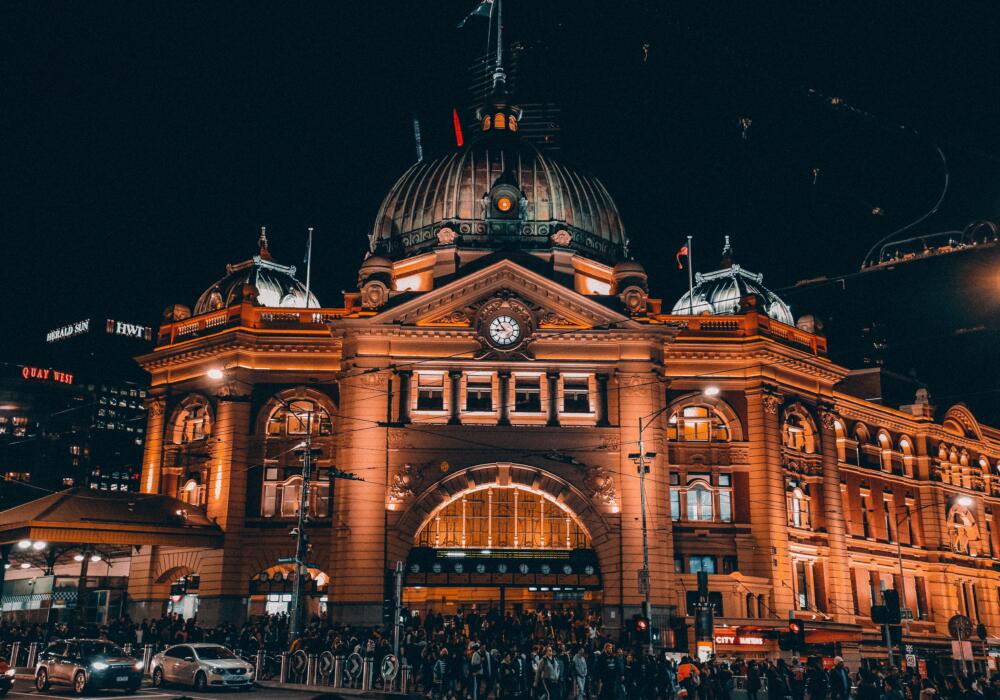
(87, 664)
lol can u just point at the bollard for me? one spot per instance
(283, 678)
(147, 658)
(15, 652)
(258, 669)
(32, 654)
(404, 677)
(368, 674)
(311, 670)
(338, 672)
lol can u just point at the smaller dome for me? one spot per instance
(275, 285)
(628, 268)
(720, 292)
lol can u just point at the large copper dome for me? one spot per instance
(453, 192)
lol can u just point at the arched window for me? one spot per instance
(697, 424)
(699, 503)
(486, 123)
(503, 517)
(841, 437)
(798, 433)
(500, 121)
(191, 493)
(513, 124)
(281, 499)
(192, 423)
(297, 417)
(798, 505)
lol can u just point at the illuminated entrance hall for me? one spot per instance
(508, 547)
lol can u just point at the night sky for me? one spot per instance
(143, 144)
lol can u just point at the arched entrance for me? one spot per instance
(503, 537)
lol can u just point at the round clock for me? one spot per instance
(505, 331)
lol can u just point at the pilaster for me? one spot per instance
(837, 571)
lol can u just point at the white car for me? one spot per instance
(201, 666)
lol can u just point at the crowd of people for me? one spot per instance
(535, 655)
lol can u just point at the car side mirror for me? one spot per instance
(189, 658)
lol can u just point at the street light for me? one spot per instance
(215, 373)
(24, 544)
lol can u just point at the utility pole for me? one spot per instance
(301, 540)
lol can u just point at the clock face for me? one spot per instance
(505, 331)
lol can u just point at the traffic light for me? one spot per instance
(641, 625)
(890, 597)
(796, 635)
(880, 615)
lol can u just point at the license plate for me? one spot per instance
(121, 679)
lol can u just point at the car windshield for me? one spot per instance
(100, 649)
(213, 653)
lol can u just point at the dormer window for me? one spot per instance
(512, 124)
(500, 120)
(486, 123)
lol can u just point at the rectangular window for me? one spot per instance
(921, 612)
(430, 392)
(699, 503)
(725, 479)
(674, 478)
(675, 504)
(576, 395)
(290, 499)
(527, 394)
(725, 506)
(730, 564)
(989, 537)
(866, 526)
(479, 393)
(801, 585)
(699, 563)
(679, 565)
(890, 525)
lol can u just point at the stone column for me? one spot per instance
(837, 572)
(152, 455)
(405, 377)
(224, 583)
(503, 377)
(767, 497)
(553, 379)
(456, 397)
(357, 558)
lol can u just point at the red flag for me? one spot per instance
(458, 128)
(682, 252)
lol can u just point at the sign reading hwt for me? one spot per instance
(129, 330)
(68, 331)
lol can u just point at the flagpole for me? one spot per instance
(309, 260)
(690, 276)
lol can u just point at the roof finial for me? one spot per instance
(265, 254)
(727, 254)
(499, 76)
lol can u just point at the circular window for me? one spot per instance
(505, 203)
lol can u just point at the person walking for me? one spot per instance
(580, 670)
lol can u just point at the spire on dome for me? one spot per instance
(265, 254)
(727, 255)
(499, 76)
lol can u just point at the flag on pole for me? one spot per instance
(483, 9)
(683, 252)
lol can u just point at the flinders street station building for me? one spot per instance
(493, 383)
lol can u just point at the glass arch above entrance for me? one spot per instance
(492, 516)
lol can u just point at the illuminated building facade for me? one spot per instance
(487, 382)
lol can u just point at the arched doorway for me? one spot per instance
(503, 538)
(181, 585)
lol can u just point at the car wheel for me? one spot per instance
(80, 683)
(200, 681)
(158, 677)
(42, 680)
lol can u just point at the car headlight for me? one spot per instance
(9, 672)
(98, 666)
(139, 665)
(216, 670)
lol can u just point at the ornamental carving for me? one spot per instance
(459, 316)
(551, 318)
(156, 405)
(964, 533)
(601, 482)
(611, 442)
(233, 390)
(771, 403)
(739, 455)
(827, 419)
(401, 487)
(398, 439)
(634, 299)
(634, 384)
(374, 294)
(562, 238)
(446, 236)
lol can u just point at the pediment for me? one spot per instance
(457, 303)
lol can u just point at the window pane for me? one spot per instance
(576, 395)
(290, 494)
(675, 504)
(430, 392)
(479, 393)
(725, 507)
(527, 395)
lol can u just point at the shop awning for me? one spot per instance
(84, 516)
